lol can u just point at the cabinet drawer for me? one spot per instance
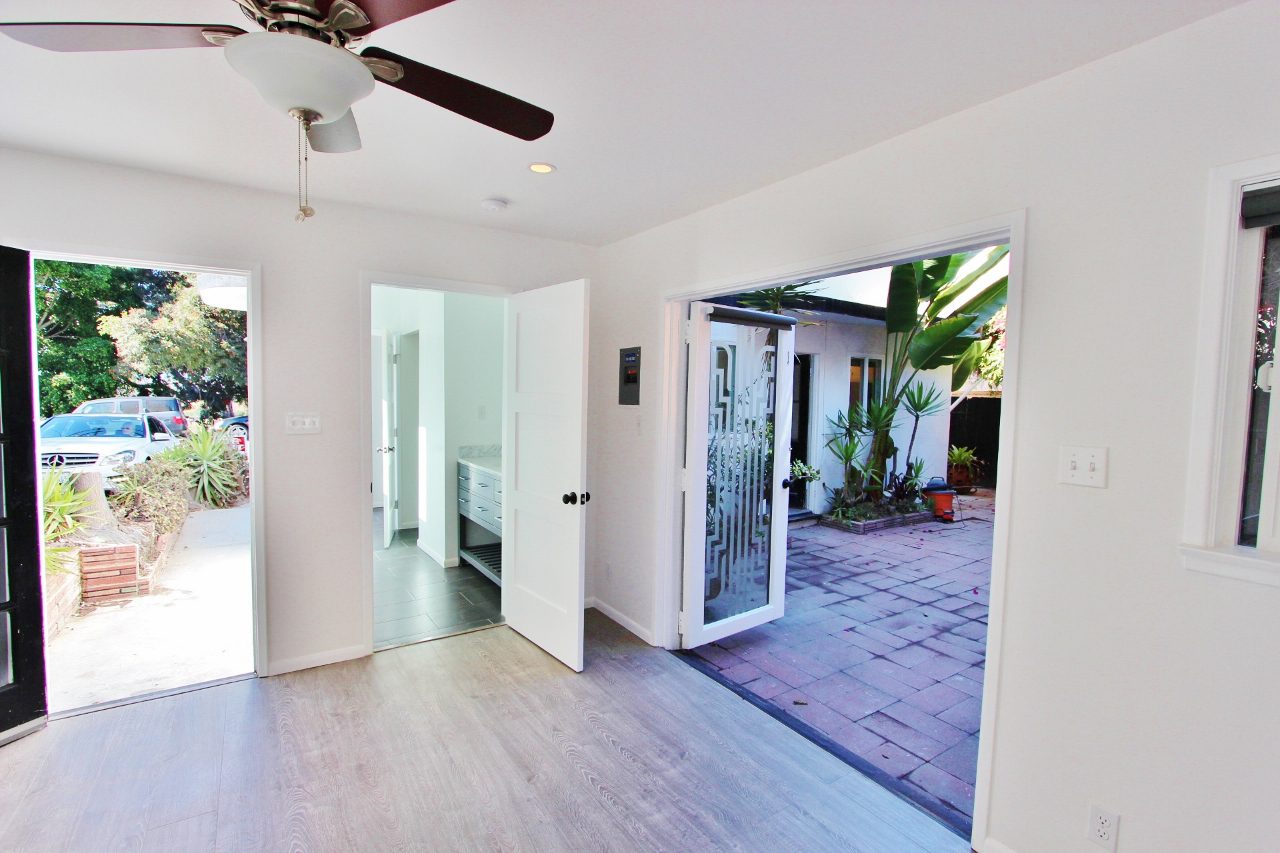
(465, 473)
(484, 484)
(486, 513)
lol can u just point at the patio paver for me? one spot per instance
(882, 648)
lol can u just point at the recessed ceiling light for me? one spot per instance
(495, 205)
(542, 168)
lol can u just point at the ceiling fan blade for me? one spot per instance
(68, 37)
(335, 137)
(478, 103)
(383, 12)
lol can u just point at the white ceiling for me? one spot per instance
(662, 108)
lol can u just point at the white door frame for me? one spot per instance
(252, 270)
(364, 320)
(1006, 228)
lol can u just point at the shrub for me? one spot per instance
(63, 508)
(154, 491)
(216, 467)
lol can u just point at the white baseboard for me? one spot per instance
(280, 667)
(439, 558)
(990, 845)
(622, 619)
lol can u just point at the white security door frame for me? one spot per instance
(724, 512)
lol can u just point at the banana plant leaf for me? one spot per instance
(968, 363)
(901, 311)
(954, 291)
(936, 272)
(985, 304)
(938, 341)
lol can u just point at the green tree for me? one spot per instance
(76, 361)
(182, 348)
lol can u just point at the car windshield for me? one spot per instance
(92, 426)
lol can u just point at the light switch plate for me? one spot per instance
(301, 423)
(1083, 466)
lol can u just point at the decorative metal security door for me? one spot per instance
(736, 470)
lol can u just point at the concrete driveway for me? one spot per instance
(197, 626)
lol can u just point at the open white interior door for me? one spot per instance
(388, 448)
(544, 468)
(737, 468)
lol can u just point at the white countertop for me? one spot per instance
(491, 464)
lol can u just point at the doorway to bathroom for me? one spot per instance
(436, 510)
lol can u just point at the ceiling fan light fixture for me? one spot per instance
(294, 72)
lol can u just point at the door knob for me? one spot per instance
(786, 484)
(386, 450)
(586, 496)
(571, 498)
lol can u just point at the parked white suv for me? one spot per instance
(77, 443)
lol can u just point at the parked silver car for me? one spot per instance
(167, 409)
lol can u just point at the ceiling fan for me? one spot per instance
(306, 63)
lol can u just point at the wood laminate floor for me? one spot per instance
(476, 742)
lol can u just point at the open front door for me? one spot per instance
(544, 468)
(737, 464)
(387, 451)
(23, 706)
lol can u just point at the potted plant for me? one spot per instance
(801, 472)
(962, 468)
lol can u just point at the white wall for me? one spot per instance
(457, 403)
(1125, 680)
(316, 487)
(474, 346)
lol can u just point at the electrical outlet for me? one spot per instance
(1104, 826)
(1083, 466)
(301, 423)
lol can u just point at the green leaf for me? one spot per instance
(936, 272)
(990, 300)
(902, 311)
(967, 363)
(937, 341)
(953, 291)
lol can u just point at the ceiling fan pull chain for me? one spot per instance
(305, 210)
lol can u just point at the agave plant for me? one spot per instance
(213, 466)
(63, 509)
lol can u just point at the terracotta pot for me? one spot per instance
(960, 478)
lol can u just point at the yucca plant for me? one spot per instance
(213, 466)
(63, 509)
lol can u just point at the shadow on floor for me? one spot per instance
(881, 655)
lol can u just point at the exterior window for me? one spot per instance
(1260, 382)
(864, 380)
(1231, 511)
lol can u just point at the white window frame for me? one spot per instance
(866, 360)
(1220, 415)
